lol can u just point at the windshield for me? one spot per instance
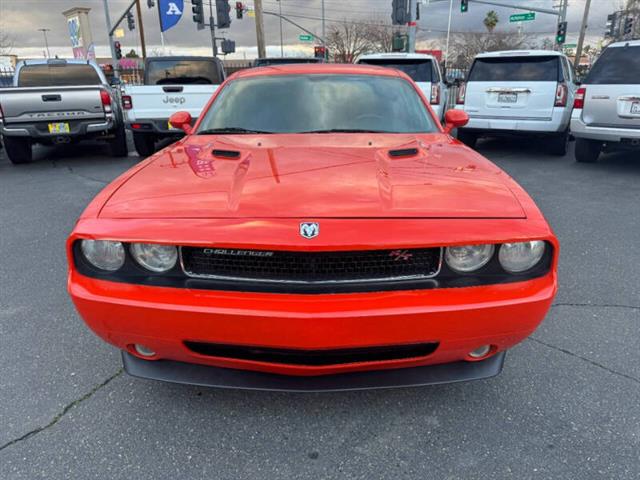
(515, 69)
(62, 75)
(420, 70)
(164, 72)
(616, 66)
(316, 103)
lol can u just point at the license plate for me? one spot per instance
(59, 128)
(507, 97)
(635, 108)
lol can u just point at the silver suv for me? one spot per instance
(606, 110)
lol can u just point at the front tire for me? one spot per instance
(559, 144)
(18, 149)
(119, 144)
(145, 144)
(468, 138)
(587, 151)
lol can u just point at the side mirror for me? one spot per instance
(182, 121)
(455, 119)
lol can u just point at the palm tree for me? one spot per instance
(491, 20)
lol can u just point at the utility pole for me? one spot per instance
(116, 71)
(262, 52)
(46, 42)
(583, 29)
(281, 43)
(212, 27)
(412, 26)
(143, 46)
(324, 32)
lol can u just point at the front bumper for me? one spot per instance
(192, 374)
(458, 319)
(603, 133)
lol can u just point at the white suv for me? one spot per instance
(422, 68)
(519, 92)
(607, 105)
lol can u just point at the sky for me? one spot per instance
(21, 19)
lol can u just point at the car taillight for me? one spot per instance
(462, 90)
(105, 98)
(561, 95)
(127, 103)
(435, 94)
(578, 100)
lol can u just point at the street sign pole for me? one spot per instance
(107, 17)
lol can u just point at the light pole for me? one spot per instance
(324, 33)
(46, 42)
(281, 43)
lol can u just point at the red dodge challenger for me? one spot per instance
(317, 229)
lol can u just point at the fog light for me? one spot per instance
(480, 352)
(144, 351)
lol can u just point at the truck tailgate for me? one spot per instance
(161, 101)
(44, 104)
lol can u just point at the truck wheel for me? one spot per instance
(145, 144)
(18, 149)
(559, 144)
(587, 151)
(119, 143)
(468, 138)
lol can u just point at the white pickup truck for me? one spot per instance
(171, 84)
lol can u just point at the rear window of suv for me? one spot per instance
(515, 69)
(420, 70)
(63, 75)
(187, 71)
(617, 65)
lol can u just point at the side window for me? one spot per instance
(568, 70)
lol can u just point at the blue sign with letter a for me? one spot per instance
(170, 13)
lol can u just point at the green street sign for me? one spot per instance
(305, 38)
(570, 45)
(523, 17)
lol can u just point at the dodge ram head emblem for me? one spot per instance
(309, 229)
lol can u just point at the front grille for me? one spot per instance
(311, 267)
(315, 358)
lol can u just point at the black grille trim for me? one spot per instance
(313, 358)
(307, 268)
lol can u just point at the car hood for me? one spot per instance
(316, 176)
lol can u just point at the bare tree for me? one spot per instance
(348, 40)
(6, 42)
(465, 46)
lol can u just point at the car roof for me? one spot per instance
(625, 43)
(396, 55)
(57, 61)
(520, 53)
(319, 68)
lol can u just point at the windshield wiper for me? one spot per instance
(346, 130)
(212, 131)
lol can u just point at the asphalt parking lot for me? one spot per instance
(565, 406)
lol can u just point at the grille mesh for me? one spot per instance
(286, 266)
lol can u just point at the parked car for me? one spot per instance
(519, 92)
(606, 111)
(170, 84)
(318, 230)
(59, 101)
(422, 68)
(264, 62)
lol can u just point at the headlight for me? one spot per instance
(469, 258)
(157, 258)
(103, 254)
(522, 256)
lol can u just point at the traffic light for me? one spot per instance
(151, 3)
(320, 52)
(464, 6)
(561, 36)
(228, 46)
(118, 48)
(131, 22)
(222, 13)
(611, 25)
(239, 10)
(628, 26)
(198, 13)
(399, 12)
